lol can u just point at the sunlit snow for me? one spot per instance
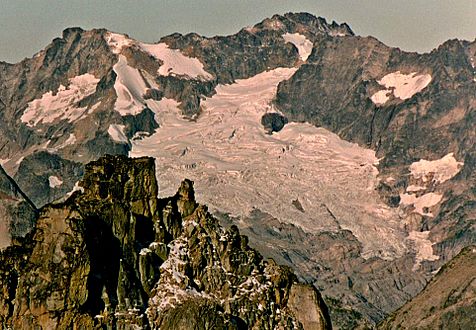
(54, 181)
(130, 87)
(62, 105)
(422, 246)
(174, 62)
(402, 86)
(116, 132)
(422, 202)
(237, 167)
(303, 45)
(438, 171)
(118, 41)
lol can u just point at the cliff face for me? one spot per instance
(114, 255)
(17, 212)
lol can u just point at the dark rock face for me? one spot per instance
(334, 89)
(273, 122)
(17, 212)
(255, 49)
(114, 255)
(447, 302)
(45, 177)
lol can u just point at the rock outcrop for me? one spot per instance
(17, 212)
(114, 255)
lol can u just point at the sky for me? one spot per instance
(26, 26)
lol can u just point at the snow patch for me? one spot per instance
(116, 132)
(402, 86)
(175, 63)
(436, 171)
(76, 187)
(414, 188)
(303, 45)
(62, 105)
(69, 141)
(117, 42)
(422, 246)
(422, 202)
(54, 181)
(237, 167)
(381, 97)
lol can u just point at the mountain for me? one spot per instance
(113, 255)
(447, 302)
(347, 160)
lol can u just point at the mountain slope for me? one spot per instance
(447, 302)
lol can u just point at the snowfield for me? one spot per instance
(62, 105)
(422, 246)
(173, 61)
(437, 171)
(429, 174)
(303, 45)
(402, 86)
(237, 167)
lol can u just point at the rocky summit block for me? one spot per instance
(113, 255)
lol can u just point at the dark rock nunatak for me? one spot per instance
(115, 256)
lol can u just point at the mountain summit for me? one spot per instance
(347, 160)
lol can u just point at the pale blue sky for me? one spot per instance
(26, 26)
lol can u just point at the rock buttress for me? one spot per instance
(115, 256)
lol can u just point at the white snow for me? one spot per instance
(76, 187)
(69, 141)
(419, 203)
(402, 86)
(237, 167)
(422, 246)
(130, 87)
(117, 42)
(437, 171)
(54, 181)
(145, 251)
(381, 97)
(175, 63)
(62, 105)
(303, 45)
(415, 188)
(116, 132)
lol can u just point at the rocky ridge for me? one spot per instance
(113, 255)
